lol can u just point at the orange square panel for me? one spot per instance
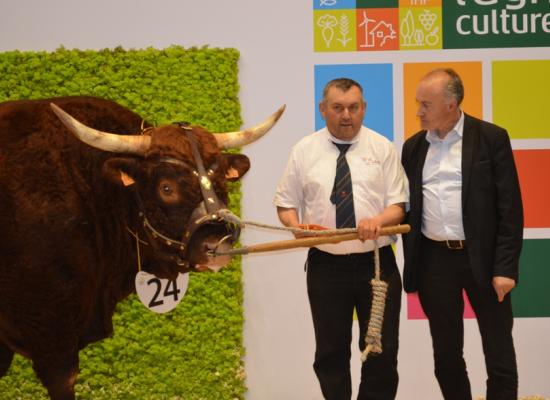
(470, 72)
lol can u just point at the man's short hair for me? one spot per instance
(344, 84)
(454, 88)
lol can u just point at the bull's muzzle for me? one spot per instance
(207, 235)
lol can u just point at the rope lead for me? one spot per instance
(373, 338)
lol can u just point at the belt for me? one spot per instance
(450, 244)
(349, 256)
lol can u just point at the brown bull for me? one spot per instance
(70, 212)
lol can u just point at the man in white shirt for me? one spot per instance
(338, 275)
(466, 234)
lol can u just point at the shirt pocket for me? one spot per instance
(368, 178)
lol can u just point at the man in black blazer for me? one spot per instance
(467, 231)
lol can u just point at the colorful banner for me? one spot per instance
(366, 25)
(523, 116)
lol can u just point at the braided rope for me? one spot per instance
(373, 338)
(232, 218)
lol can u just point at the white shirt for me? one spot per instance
(442, 186)
(377, 176)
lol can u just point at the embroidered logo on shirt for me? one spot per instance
(370, 161)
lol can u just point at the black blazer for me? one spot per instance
(492, 212)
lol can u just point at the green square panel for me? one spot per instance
(377, 3)
(530, 298)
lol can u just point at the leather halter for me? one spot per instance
(206, 213)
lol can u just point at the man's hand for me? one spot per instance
(289, 217)
(369, 229)
(503, 286)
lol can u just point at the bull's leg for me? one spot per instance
(6, 356)
(59, 379)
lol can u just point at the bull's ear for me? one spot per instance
(120, 171)
(237, 166)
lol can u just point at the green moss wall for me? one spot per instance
(195, 351)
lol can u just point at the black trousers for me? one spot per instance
(338, 284)
(444, 274)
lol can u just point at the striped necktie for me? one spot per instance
(342, 194)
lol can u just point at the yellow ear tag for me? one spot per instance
(126, 179)
(231, 173)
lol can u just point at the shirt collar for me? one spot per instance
(339, 141)
(458, 130)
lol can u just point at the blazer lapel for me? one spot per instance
(420, 159)
(469, 143)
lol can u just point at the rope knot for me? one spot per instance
(373, 338)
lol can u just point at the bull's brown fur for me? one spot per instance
(66, 258)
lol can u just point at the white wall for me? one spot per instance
(276, 67)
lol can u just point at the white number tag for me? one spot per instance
(160, 295)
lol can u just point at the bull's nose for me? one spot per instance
(215, 262)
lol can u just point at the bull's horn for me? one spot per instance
(129, 144)
(230, 140)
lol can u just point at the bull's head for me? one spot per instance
(179, 178)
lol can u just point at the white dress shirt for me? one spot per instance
(442, 186)
(378, 180)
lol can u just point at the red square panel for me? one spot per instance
(377, 29)
(534, 178)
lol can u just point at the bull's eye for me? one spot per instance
(168, 191)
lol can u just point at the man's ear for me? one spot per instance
(120, 171)
(452, 105)
(322, 108)
(237, 166)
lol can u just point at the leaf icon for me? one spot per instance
(407, 28)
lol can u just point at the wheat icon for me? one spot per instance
(344, 30)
